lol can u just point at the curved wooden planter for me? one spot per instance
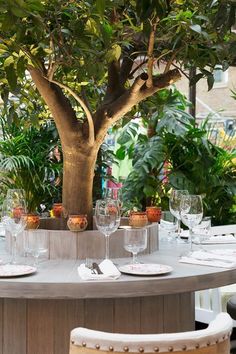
(64, 244)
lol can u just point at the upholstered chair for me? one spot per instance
(212, 340)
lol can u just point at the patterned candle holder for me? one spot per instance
(57, 210)
(32, 221)
(77, 222)
(153, 213)
(138, 219)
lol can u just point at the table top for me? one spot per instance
(58, 279)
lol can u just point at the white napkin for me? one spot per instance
(107, 267)
(209, 259)
(229, 238)
(225, 252)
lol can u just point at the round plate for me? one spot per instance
(15, 270)
(145, 269)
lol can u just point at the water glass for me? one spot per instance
(36, 244)
(135, 241)
(203, 230)
(168, 226)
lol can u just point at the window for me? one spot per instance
(220, 76)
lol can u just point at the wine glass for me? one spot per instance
(174, 205)
(191, 212)
(14, 216)
(135, 241)
(107, 218)
(115, 194)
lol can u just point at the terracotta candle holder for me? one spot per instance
(32, 221)
(77, 222)
(138, 219)
(153, 213)
(57, 210)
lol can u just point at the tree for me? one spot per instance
(94, 61)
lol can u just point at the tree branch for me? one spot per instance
(137, 68)
(138, 83)
(166, 79)
(111, 113)
(85, 108)
(114, 88)
(125, 69)
(170, 61)
(150, 54)
(59, 105)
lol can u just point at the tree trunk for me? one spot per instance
(78, 174)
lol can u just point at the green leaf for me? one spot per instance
(210, 81)
(100, 5)
(114, 53)
(18, 11)
(11, 77)
(196, 28)
(196, 78)
(121, 153)
(21, 66)
(8, 61)
(92, 27)
(149, 191)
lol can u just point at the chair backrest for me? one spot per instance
(208, 303)
(212, 340)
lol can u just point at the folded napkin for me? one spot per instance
(229, 238)
(209, 259)
(225, 252)
(107, 267)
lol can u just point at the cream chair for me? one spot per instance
(210, 302)
(213, 340)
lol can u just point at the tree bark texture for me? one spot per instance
(78, 174)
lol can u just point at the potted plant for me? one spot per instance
(25, 163)
(194, 162)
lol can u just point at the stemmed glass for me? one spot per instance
(107, 218)
(14, 216)
(135, 241)
(115, 194)
(191, 212)
(174, 205)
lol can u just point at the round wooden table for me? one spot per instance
(37, 312)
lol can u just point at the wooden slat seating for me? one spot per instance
(212, 340)
(210, 302)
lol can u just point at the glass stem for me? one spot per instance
(107, 246)
(178, 227)
(13, 260)
(135, 259)
(191, 239)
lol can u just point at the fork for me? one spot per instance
(89, 265)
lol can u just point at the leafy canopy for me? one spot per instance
(76, 40)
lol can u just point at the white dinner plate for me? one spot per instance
(15, 270)
(145, 269)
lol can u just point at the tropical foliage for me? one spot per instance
(27, 161)
(95, 61)
(178, 155)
